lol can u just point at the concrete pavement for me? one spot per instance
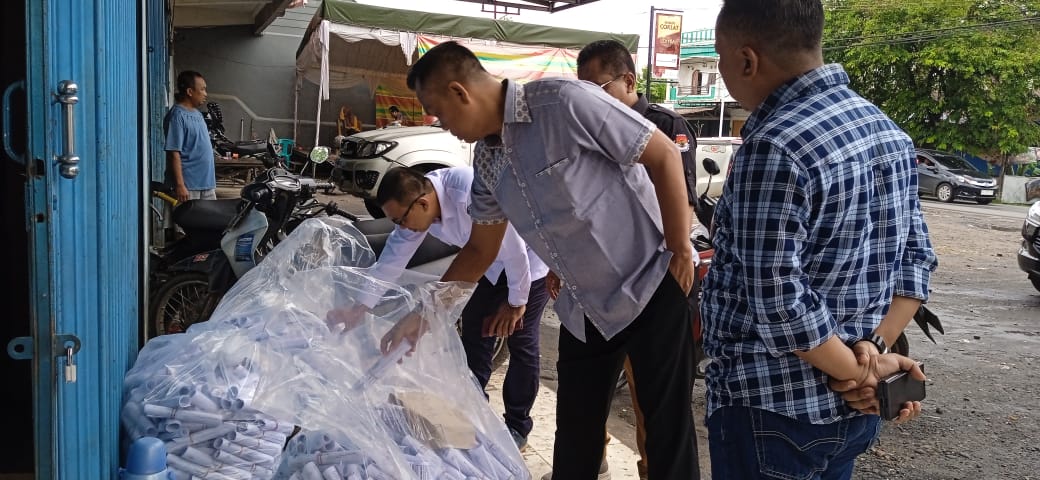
(539, 451)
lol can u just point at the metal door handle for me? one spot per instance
(67, 91)
(20, 158)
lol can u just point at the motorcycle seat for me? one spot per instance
(249, 147)
(205, 214)
(431, 249)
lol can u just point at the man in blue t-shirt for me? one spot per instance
(190, 168)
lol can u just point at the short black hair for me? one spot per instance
(448, 59)
(402, 184)
(185, 80)
(782, 26)
(612, 55)
(393, 108)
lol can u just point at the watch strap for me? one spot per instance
(878, 342)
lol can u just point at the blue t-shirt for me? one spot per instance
(186, 133)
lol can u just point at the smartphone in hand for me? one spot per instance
(895, 390)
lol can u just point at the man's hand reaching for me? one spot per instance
(410, 328)
(349, 317)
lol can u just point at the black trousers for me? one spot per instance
(659, 344)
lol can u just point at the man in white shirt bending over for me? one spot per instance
(509, 299)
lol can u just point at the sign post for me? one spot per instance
(664, 45)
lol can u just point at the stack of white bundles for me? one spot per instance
(227, 395)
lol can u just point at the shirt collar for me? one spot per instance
(810, 83)
(641, 105)
(516, 110)
(442, 199)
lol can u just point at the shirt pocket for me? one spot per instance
(553, 167)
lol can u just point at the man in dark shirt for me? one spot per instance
(609, 64)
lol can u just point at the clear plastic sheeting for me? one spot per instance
(266, 389)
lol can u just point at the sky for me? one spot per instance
(612, 16)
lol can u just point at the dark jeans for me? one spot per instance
(521, 383)
(751, 443)
(659, 346)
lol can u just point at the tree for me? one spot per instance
(956, 75)
(658, 88)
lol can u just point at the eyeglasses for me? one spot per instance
(604, 84)
(399, 221)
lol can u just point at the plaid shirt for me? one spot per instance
(819, 225)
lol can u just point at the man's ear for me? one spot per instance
(630, 82)
(752, 61)
(458, 91)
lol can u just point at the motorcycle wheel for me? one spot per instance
(501, 352)
(182, 301)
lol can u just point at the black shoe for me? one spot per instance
(520, 440)
(604, 472)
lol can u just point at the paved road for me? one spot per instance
(999, 210)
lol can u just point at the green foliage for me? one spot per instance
(957, 75)
(658, 88)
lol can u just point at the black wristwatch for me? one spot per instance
(878, 342)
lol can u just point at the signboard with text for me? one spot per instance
(667, 40)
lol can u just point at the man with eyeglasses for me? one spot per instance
(609, 64)
(566, 166)
(509, 298)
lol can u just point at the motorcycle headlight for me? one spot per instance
(1034, 214)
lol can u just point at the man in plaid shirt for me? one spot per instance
(821, 255)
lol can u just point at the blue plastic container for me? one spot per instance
(146, 461)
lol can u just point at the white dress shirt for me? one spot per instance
(453, 227)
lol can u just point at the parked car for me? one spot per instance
(1029, 254)
(365, 156)
(948, 177)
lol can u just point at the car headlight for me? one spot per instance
(383, 147)
(960, 178)
(1034, 214)
(372, 149)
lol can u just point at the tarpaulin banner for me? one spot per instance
(522, 63)
(667, 42)
(411, 109)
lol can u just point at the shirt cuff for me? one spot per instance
(913, 281)
(802, 333)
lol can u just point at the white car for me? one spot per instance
(364, 157)
(720, 149)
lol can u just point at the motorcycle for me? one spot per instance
(224, 147)
(222, 240)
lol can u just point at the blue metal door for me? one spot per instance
(83, 216)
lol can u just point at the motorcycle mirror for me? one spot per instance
(319, 154)
(711, 166)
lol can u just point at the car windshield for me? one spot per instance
(955, 163)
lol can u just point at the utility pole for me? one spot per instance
(650, 52)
